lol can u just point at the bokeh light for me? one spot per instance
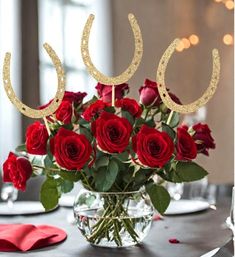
(180, 46)
(228, 39)
(186, 43)
(229, 4)
(194, 39)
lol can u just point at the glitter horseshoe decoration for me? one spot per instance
(192, 107)
(129, 72)
(24, 109)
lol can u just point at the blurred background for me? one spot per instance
(201, 24)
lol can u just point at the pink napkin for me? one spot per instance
(25, 237)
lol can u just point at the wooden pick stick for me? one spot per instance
(113, 95)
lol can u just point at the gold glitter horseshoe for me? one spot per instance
(203, 99)
(129, 72)
(24, 109)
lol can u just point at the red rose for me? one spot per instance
(17, 170)
(65, 112)
(72, 97)
(112, 132)
(153, 148)
(129, 105)
(95, 109)
(36, 138)
(203, 139)
(70, 149)
(105, 91)
(149, 95)
(75, 98)
(185, 146)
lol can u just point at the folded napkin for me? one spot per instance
(25, 237)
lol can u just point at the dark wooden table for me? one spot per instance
(198, 234)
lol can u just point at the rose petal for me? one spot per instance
(174, 241)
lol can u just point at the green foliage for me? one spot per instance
(48, 162)
(190, 171)
(65, 185)
(123, 157)
(49, 194)
(110, 109)
(106, 176)
(168, 130)
(175, 120)
(159, 196)
(128, 116)
(182, 171)
(72, 176)
(21, 148)
(87, 132)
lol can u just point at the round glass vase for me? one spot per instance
(113, 219)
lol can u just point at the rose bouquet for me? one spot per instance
(129, 147)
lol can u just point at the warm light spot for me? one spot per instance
(228, 39)
(217, 1)
(180, 46)
(186, 42)
(194, 39)
(229, 4)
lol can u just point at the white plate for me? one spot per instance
(211, 253)
(66, 200)
(186, 206)
(22, 208)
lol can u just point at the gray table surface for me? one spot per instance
(198, 234)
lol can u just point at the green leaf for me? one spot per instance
(66, 186)
(106, 176)
(128, 116)
(49, 194)
(72, 176)
(174, 120)
(86, 132)
(103, 161)
(168, 130)
(84, 123)
(190, 171)
(139, 121)
(21, 148)
(124, 156)
(150, 122)
(159, 196)
(110, 109)
(48, 162)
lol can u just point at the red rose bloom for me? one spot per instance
(186, 148)
(149, 94)
(65, 112)
(75, 98)
(36, 138)
(203, 139)
(70, 149)
(129, 105)
(72, 97)
(153, 148)
(17, 170)
(112, 132)
(105, 91)
(95, 109)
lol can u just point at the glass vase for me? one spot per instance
(113, 219)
